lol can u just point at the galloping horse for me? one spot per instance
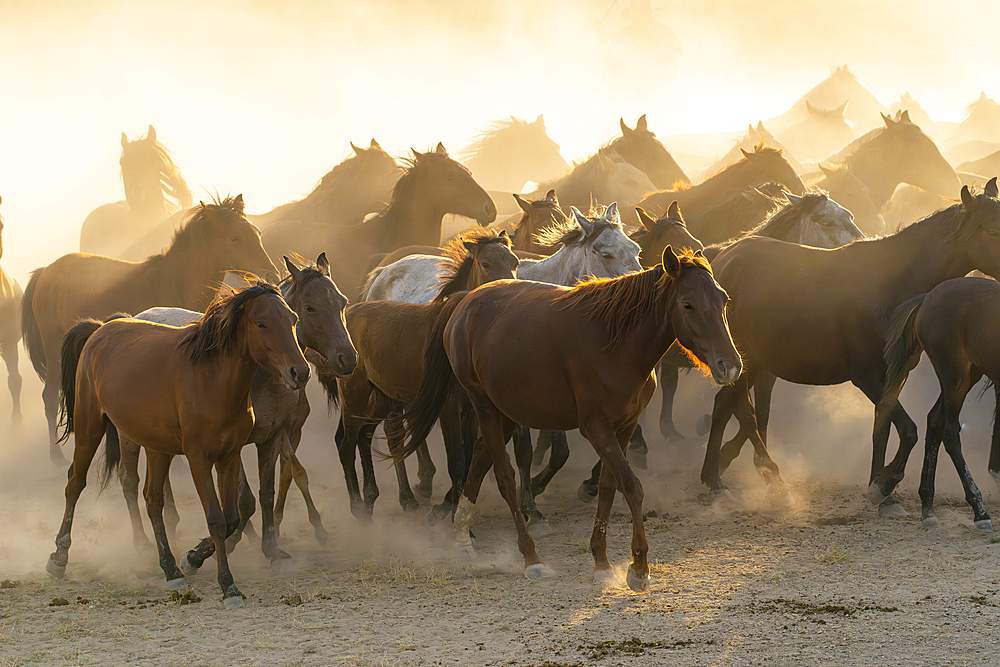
(154, 190)
(433, 186)
(586, 362)
(509, 153)
(10, 334)
(196, 403)
(216, 238)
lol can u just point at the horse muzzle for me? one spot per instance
(726, 371)
(296, 376)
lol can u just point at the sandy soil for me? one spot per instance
(820, 580)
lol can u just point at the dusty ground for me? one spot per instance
(822, 580)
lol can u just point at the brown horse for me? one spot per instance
(10, 334)
(196, 403)
(821, 317)
(536, 216)
(586, 362)
(955, 324)
(763, 165)
(509, 153)
(216, 238)
(154, 190)
(736, 214)
(753, 137)
(850, 192)
(391, 337)
(279, 412)
(640, 148)
(433, 186)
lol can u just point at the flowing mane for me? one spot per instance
(172, 184)
(621, 304)
(184, 236)
(215, 332)
(457, 261)
(781, 219)
(569, 232)
(404, 189)
(495, 133)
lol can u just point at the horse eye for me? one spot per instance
(261, 325)
(486, 266)
(606, 255)
(310, 309)
(234, 239)
(688, 307)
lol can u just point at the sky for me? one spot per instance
(262, 98)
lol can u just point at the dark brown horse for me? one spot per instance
(536, 216)
(821, 317)
(763, 165)
(754, 137)
(736, 214)
(586, 362)
(216, 238)
(640, 148)
(955, 324)
(196, 403)
(391, 337)
(279, 412)
(433, 186)
(10, 334)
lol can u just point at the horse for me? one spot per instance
(821, 133)
(585, 363)
(432, 186)
(982, 119)
(753, 137)
(763, 165)
(851, 193)
(216, 238)
(391, 336)
(279, 412)
(954, 325)
(914, 110)
(734, 215)
(987, 165)
(10, 334)
(197, 403)
(897, 153)
(536, 215)
(154, 190)
(509, 153)
(821, 317)
(639, 147)
(840, 86)
(911, 203)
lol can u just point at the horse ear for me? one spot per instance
(550, 196)
(374, 144)
(760, 127)
(641, 123)
(239, 202)
(842, 109)
(357, 150)
(124, 140)
(905, 116)
(887, 120)
(671, 265)
(470, 246)
(700, 253)
(523, 203)
(646, 220)
(416, 154)
(611, 213)
(810, 109)
(293, 270)
(674, 211)
(502, 234)
(151, 135)
(540, 122)
(745, 154)
(323, 264)
(826, 170)
(626, 130)
(581, 220)
(991, 188)
(794, 199)
(968, 201)
(440, 150)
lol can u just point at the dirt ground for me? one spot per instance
(818, 580)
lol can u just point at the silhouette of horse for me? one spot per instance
(509, 153)
(10, 334)
(916, 112)
(754, 136)
(154, 190)
(216, 238)
(639, 147)
(850, 192)
(842, 85)
(822, 133)
(982, 120)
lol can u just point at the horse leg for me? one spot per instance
(368, 468)
(471, 454)
(762, 460)
(89, 430)
(247, 507)
(9, 354)
(763, 387)
(666, 376)
(560, 454)
(222, 520)
(638, 449)
(396, 435)
(50, 397)
(590, 487)
(298, 472)
(347, 445)
(267, 457)
(994, 465)
(747, 427)
(537, 523)
(953, 445)
(425, 472)
(284, 483)
(542, 444)
(157, 467)
(170, 508)
(932, 442)
(610, 446)
(723, 409)
(888, 410)
(128, 476)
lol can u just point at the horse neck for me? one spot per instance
(410, 220)
(231, 374)
(559, 268)
(183, 277)
(868, 166)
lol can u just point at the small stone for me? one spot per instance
(59, 602)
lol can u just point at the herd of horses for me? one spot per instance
(556, 310)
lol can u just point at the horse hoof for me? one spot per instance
(606, 577)
(186, 567)
(424, 489)
(637, 459)
(539, 529)
(57, 571)
(635, 582)
(890, 507)
(930, 521)
(535, 572)
(985, 525)
(437, 514)
(174, 584)
(876, 495)
(283, 565)
(585, 495)
(232, 602)
(409, 504)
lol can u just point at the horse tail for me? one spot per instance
(436, 386)
(112, 453)
(72, 348)
(901, 344)
(370, 280)
(29, 326)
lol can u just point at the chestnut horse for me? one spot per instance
(175, 391)
(955, 324)
(433, 186)
(586, 362)
(216, 238)
(821, 317)
(10, 334)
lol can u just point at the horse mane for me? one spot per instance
(309, 272)
(457, 261)
(537, 203)
(342, 177)
(492, 134)
(172, 183)
(405, 186)
(215, 332)
(569, 232)
(782, 218)
(642, 234)
(185, 234)
(621, 304)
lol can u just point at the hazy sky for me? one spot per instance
(262, 98)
